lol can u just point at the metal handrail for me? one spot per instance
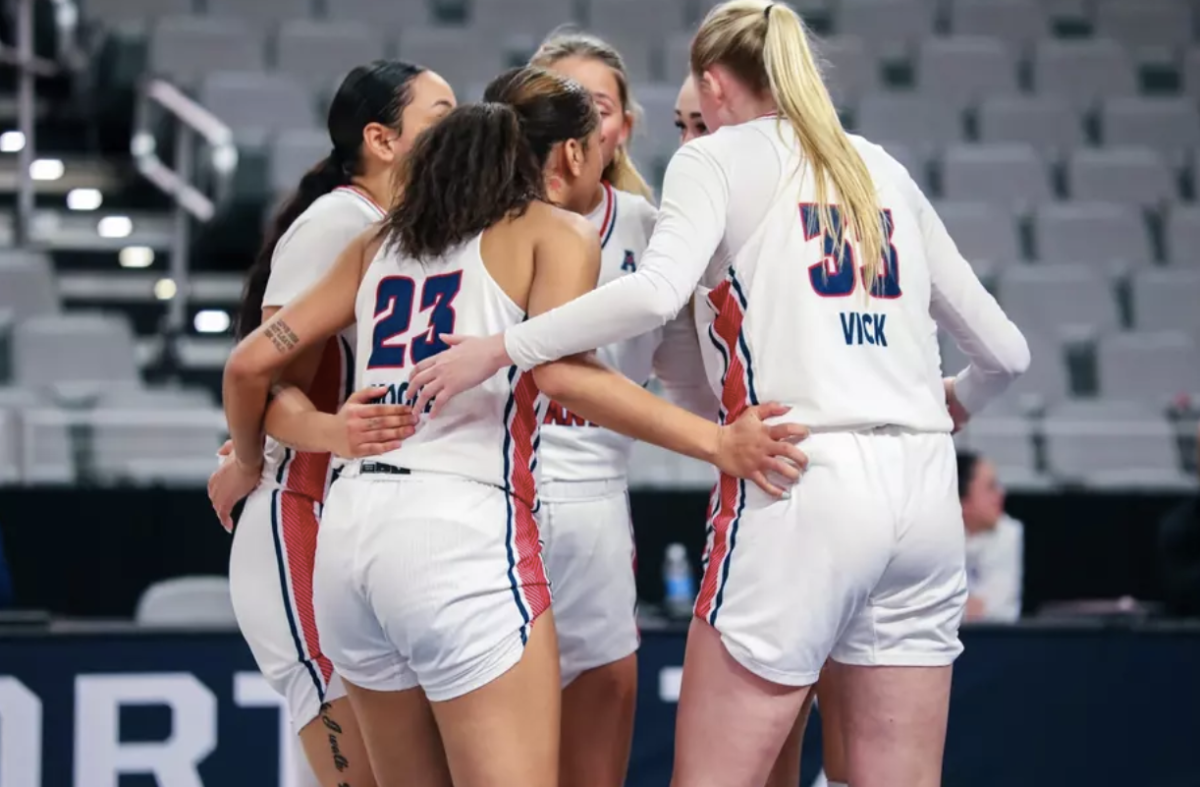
(193, 123)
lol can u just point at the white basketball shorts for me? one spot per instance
(864, 562)
(588, 547)
(426, 580)
(271, 581)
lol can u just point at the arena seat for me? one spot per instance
(311, 50)
(532, 17)
(1131, 176)
(1168, 125)
(1152, 30)
(963, 70)
(136, 11)
(384, 15)
(78, 347)
(1148, 367)
(1166, 300)
(923, 124)
(265, 14)
(643, 58)
(657, 138)
(677, 58)
(253, 104)
(983, 233)
(47, 456)
(917, 167)
(461, 56)
(1114, 453)
(850, 68)
(1094, 232)
(889, 28)
(26, 285)
(1018, 23)
(1183, 236)
(1009, 175)
(1082, 72)
(1190, 71)
(186, 48)
(1048, 298)
(292, 155)
(1008, 443)
(10, 458)
(176, 444)
(1046, 123)
(187, 602)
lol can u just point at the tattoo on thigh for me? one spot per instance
(339, 760)
(282, 336)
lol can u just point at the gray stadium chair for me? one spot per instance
(387, 16)
(1148, 367)
(535, 17)
(257, 104)
(110, 12)
(461, 56)
(26, 285)
(644, 59)
(677, 64)
(1190, 71)
(1092, 233)
(656, 137)
(186, 48)
(1007, 443)
(261, 13)
(47, 456)
(1129, 176)
(1152, 30)
(918, 167)
(1183, 236)
(649, 21)
(162, 399)
(186, 602)
(1049, 125)
(10, 456)
(1018, 23)
(1082, 71)
(921, 123)
(1103, 409)
(1132, 454)
(850, 69)
(983, 233)
(312, 51)
(174, 445)
(84, 348)
(963, 70)
(1051, 298)
(890, 28)
(292, 155)
(1009, 175)
(1165, 300)
(1169, 125)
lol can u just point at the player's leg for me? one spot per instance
(786, 771)
(597, 725)
(401, 737)
(731, 723)
(833, 737)
(895, 656)
(588, 549)
(270, 571)
(506, 732)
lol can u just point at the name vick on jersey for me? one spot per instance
(864, 328)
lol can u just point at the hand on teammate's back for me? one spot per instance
(468, 362)
(751, 449)
(363, 428)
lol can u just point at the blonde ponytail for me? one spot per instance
(566, 42)
(766, 46)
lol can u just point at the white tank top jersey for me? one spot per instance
(573, 449)
(488, 434)
(303, 255)
(783, 315)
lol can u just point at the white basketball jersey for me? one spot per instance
(302, 256)
(488, 434)
(572, 448)
(785, 316)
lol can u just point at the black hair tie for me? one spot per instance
(767, 11)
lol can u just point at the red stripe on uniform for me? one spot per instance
(728, 327)
(308, 473)
(299, 516)
(530, 569)
(722, 512)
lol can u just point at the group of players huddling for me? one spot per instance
(444, 261)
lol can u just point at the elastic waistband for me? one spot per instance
(550, 491)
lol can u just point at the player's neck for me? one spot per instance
(558, 193)
(377, 187)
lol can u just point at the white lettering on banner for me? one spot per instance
(20, 735)
(669, 680)
(251, 690)
(100, 756)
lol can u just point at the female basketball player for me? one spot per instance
(832, 273)
(429, 579)
(374, 119)
(585, 521)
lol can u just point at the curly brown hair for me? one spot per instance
(485, 162)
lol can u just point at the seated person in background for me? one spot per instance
(995, 543)
(1179, 554)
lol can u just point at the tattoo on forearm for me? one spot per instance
(339, 760)
(282, 336)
